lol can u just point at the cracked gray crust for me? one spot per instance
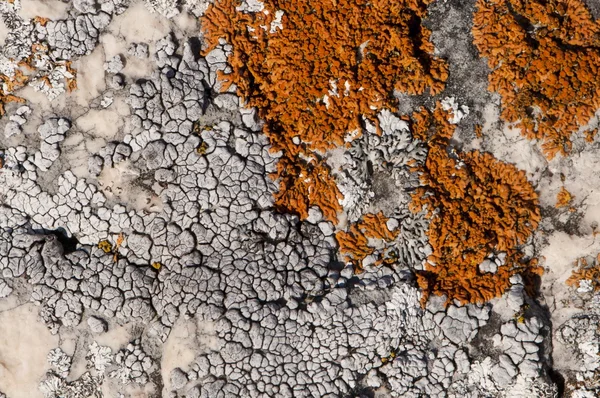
(212, 293)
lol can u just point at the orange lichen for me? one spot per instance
(545, 57)
(9, 85)
(119, 242)
(19, 79)
(304, 184)
(590, 135)
(354, 244)
(375, 226)
(41, 20)
(563, 198)
(478, 131)
(332, 63)
(478, 206)
(71, 82)
(585, 271)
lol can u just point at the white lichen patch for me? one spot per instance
(459, 112)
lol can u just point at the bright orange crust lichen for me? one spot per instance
(354, 244)
(586, 271)
(313, 80)
(303, 184)
(545, 58)
(477, 206)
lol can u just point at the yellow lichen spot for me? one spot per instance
(39, 48)
(202, 148)
(9, 85)
(563, 198)
(105, 246)
(156, 265)
(197, 127)
(71, 85)
(519, 317)
(390, 357)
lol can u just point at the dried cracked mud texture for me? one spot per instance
(166, 234)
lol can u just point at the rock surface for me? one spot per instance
(143, 197)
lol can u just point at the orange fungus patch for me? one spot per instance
(586, 272)
(313, 69)
(23, 75)
(478, 207)
(10, 84)
(545, 58)
(354, 244)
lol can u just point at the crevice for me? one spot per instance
(542, 312)
(69, 244)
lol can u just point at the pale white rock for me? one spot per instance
(488, 266)
(12, 128)
(139, 50)
(251, 6)
(277, 24)
(585, 286)
(97, 325)
(178, 379)
(115, 64)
